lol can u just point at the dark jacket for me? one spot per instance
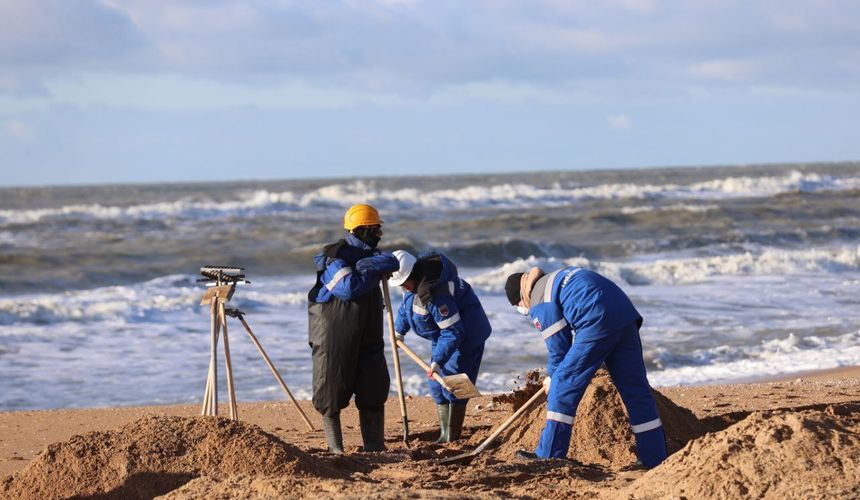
(345, 330)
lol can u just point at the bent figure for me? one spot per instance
(586, 320)
(441, 307)
(345, 329)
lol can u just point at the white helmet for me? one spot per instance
(407, 262)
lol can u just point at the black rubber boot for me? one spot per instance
(455, 423)
(331, 426)
(444, 412)
(373, 428)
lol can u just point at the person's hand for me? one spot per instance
(434, 368)
(399, 336)
(382, 263)
(546, 382)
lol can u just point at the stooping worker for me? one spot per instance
(441, 307)
(587, 320)
(345, 329)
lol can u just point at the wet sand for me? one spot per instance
(414, 471)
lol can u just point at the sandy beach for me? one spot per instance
(796, 437)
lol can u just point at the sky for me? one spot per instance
(115, 91)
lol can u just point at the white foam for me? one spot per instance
(771, 357)
(508, 195)
(678, 207)
(685, 269)
(133, 301)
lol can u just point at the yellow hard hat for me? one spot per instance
(361, 215)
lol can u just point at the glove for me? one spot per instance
(398, 336)
(382, 263)
(434, 368)
(546, 382)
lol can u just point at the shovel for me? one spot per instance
(464, 457)
(459, 385)
(400, 395)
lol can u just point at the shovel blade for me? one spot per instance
(461, 386)
(463, 457)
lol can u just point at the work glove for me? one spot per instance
(546, 382)
(434, 368)
(382, 263)
(399, 336)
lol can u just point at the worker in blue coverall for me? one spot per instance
(586, 320)
(441, 307)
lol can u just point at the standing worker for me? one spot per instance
(587, 320)
(442, 307)
(345, 329)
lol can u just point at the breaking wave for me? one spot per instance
(772, 357)
(686, 270)
(509, 195)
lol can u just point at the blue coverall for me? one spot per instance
(454, 321)
(586, 320)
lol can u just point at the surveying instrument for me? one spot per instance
(222, 281)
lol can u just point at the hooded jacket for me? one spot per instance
(450, 316)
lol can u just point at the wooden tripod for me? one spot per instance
(216, 297)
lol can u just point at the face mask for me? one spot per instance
(369, 235)
(523, 310)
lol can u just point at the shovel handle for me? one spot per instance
(409, 352)
(399, 378)
(509, 421)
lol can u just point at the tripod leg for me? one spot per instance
(231, 393)
(207, 393)
(213, 361)
(275, 373)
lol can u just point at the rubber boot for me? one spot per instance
(455, 423)
(444, 412)
(372, 423)
(331, 426)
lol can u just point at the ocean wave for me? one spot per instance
(507, 195)
(137, 302)
(772, 357)
(686, 270)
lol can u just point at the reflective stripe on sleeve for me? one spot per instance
(451, 287)
(647, 426)
(337, 277)
(559, 417)
(450, 321)
(554, 328)
(419, 310)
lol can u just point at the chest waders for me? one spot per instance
(348, 355)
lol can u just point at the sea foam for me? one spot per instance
(507, 195)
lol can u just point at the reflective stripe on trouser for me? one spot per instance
(462, 361)
(622, 352)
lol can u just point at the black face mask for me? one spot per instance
(369, 235)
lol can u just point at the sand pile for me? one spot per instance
(780, 454)
(154, 455)
(601, 431)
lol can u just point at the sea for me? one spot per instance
(740, 273)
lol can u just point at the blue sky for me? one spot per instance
(146, 91)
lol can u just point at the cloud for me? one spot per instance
(619, 121)
(17, 130)
(726, 70)
(398, 50)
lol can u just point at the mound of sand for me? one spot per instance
(154, 455)
(780, 454)
(601, 430)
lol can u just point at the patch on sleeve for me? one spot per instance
(443, 310)
(537, 324)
